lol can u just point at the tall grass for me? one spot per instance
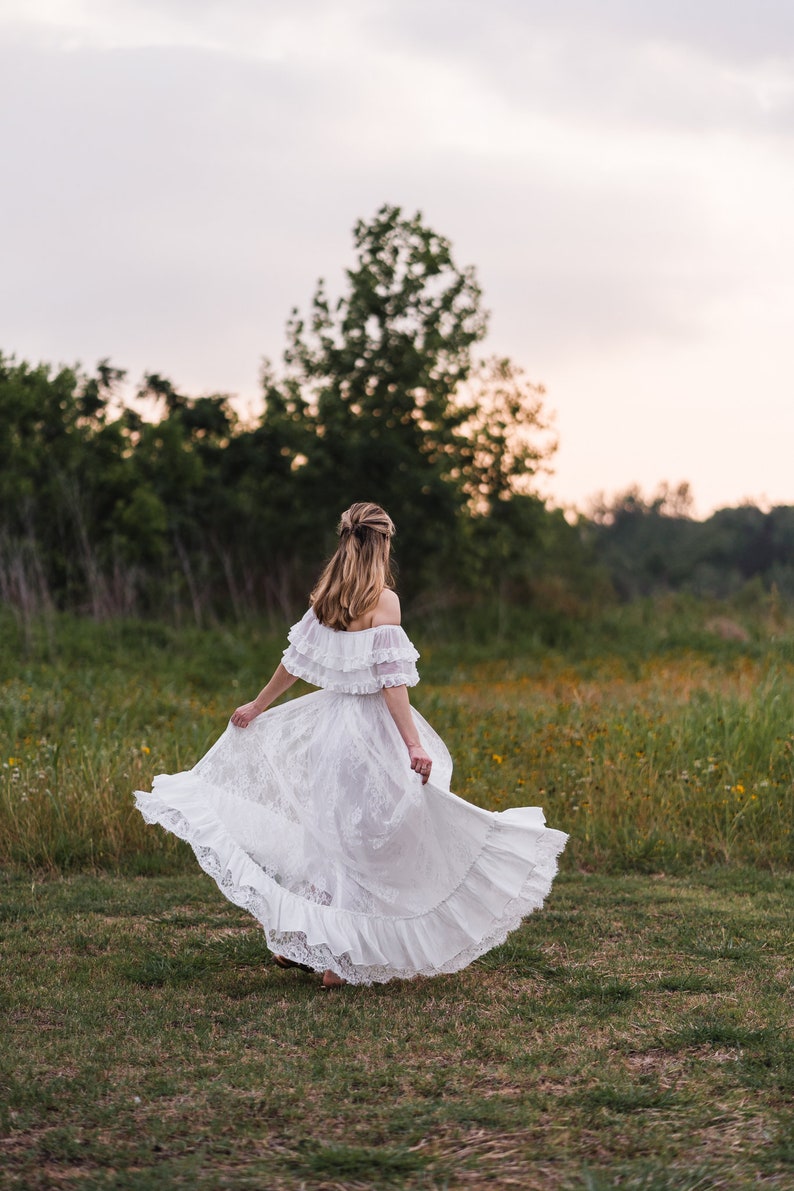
(682, 765)
(657, 744)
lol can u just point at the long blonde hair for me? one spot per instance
(353, 580)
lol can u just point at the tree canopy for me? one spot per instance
(154, 501)
(379, 395)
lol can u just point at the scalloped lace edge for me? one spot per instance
(326, 655)
(319, 677)
(319, 957)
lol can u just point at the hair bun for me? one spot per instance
(364, 518)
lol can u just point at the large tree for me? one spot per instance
(380, 396)
(386, 400)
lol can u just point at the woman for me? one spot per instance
(330, 818)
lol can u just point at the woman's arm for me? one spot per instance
(281, 681)
(399, 706)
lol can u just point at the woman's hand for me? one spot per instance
(420, 761)
(281, 681)
(243, 715)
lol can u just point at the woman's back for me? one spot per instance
(386, 611)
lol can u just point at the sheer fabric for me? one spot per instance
(312, 819)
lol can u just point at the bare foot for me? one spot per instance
(331, 980)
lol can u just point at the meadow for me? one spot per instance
(658, 744)
(636, 1033)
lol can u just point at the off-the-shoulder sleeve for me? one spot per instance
(356, 663)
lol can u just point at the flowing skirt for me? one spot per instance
(312, 820)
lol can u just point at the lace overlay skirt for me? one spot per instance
(312, 820)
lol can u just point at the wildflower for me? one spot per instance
(13, 760)
(145, 749)
(495, 757)
(739, 788)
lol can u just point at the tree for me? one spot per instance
(380, 397)
(375, 394)
(61, 466)
(647, 543)
(509, 435)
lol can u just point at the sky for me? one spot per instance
(175, 176)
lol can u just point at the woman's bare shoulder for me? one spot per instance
(387, 609)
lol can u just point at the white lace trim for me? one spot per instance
(350, 663)
(363, 682)
(338, 650)
(327, 936)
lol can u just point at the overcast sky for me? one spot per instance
(176, 174)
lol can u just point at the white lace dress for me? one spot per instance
(312, 819)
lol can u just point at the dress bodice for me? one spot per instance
(358, 663)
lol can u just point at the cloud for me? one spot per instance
(183, 171)
(620, 64)
(179, 176)
(264, 31)
(723, 30)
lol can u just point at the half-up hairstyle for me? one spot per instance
(353, 580)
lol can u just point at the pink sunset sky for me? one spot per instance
(177, 175)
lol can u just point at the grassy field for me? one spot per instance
(632, 1035)
(656, 744)
(636, 1033)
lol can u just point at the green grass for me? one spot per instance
(654, 743)
(633, 1034)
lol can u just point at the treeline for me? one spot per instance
(164, 504)
(652, 544)
(189, 511)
